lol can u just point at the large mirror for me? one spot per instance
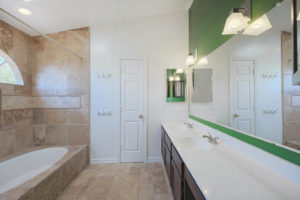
(252, 83)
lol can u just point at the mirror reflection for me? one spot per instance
(176, 80)
(252, 82)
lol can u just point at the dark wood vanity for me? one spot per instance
(181, 181)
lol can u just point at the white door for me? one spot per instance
(133, 123)
(242, 112)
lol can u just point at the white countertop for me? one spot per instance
(223, 173)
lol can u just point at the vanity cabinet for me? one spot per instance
(181, 181)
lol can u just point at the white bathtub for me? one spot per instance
(15, 171)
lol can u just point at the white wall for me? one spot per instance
(163, 40)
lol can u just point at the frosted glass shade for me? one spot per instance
(190, 60)
(202, 61)
(171, 78)
(235, 22)
(258, 26)
(179, 71)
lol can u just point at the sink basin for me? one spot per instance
(196, 143)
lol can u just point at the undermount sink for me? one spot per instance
(196, 143)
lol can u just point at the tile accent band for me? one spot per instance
(271, 148)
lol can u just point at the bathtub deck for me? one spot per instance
(125, 181)
(50, 183)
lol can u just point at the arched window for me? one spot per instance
(9, 71)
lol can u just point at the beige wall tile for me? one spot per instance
(23, 117)
(78, 134)
(50, 188)
(7, 142)
(24, 137)
(7, 120)
(16, 102)
(55, 116)
(38, 116)
(39, 134)
(292, 114)
(56, 135)
(78, 116)
(292, 131)
(295, 101)
(56, 102)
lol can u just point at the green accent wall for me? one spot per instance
(207, 19)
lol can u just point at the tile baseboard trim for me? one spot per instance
(272, 148)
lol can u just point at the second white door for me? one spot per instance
(133, 90)
(242, 112)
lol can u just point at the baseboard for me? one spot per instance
(154, 159)
(103, 160)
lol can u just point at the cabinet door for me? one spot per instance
(191, 190)
(177, 183)
(163, 154)
(168, 164)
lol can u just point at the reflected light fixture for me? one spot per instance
(238, 18)
(298, 17)
(171, 78)
(190, 60)
(179, 71)
(177, 78)
(259, 26)
(202, 61)
(25, 11)
(235, 23)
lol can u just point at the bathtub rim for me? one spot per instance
(27, 187)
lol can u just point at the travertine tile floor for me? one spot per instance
(125, 181)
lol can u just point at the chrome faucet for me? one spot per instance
(211, 139)
(189, 124)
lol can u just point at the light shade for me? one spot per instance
(202, 61)
(171, 78)
(235, 22)
(25, 11)
(177, 78)
(179, 71)
(190, 60)
(258, 26)
(298, 17)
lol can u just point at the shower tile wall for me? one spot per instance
(52, 108)
(16, 131)
(291, 95)
(62, 80)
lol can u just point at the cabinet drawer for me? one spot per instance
(191, 190)
(178, 161)
(168, 141)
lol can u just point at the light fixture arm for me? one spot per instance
(245, 9)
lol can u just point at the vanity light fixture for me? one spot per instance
(259, 26)
(202, 61)
(25, 11)
(177, 78)
(179, 71)
(298, 16)
(171, 78)
(235, 23)
(238, 19)
(190, 60)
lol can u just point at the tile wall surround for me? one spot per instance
(52, 107)
(291, 96)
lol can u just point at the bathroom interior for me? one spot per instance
(149, 100)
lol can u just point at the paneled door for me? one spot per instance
(242, 109)
(133, 110)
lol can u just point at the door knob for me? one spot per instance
(236, 115)
(141, 116)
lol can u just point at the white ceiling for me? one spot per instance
(51, 16)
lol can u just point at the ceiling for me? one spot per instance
(49, 16)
